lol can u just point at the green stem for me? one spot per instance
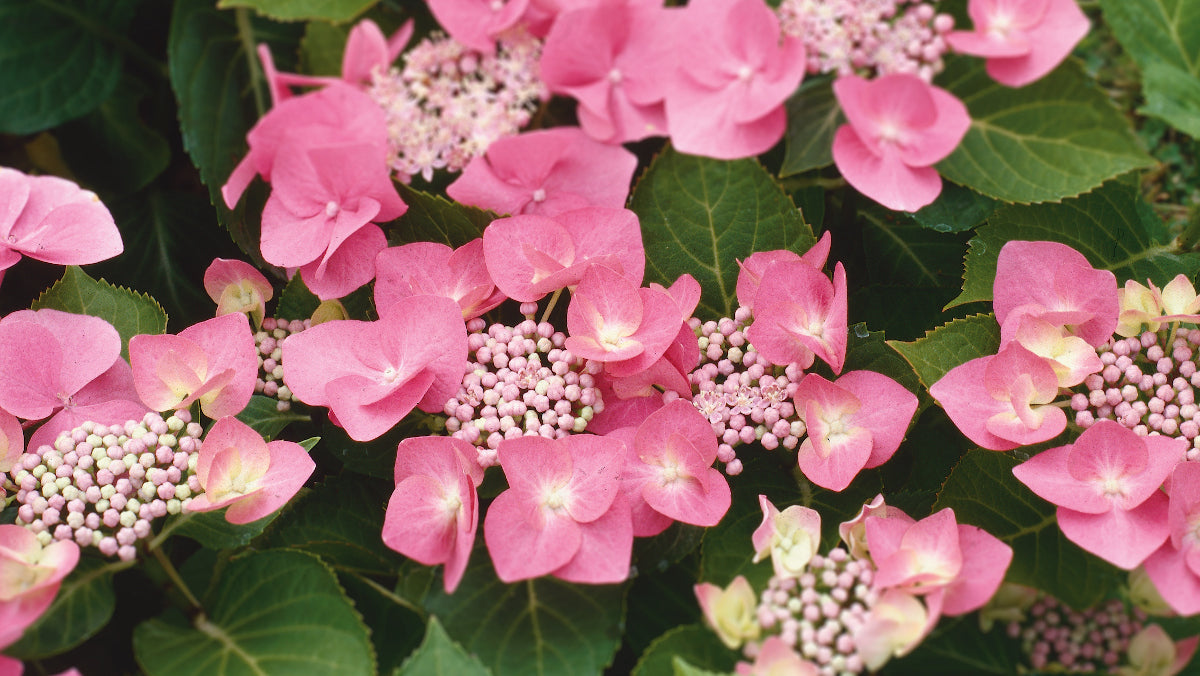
(550, 307)
(178, 521)
(246, 35)
(391, 595)
(176, 579)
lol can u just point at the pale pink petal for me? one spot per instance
(347, 267)
(12, 440)
(884, 178)
(520, 549)
(605, 548)
(228, 345)
(1062, 27)
(1176, 583)
(985, 561)
(290, 467)
(1124, 538)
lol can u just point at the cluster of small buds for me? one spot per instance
(521, 382)
(102, 486)
(1056, 637)
(1145, 387)
(819, 612)
(869, 37)
(744, 396)
(269, 341)
(449, 103)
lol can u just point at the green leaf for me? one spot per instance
(983, 492)
(322, 47)
(83, 606)
(336, 11)
(684, 668)
(656, 554)
(58, 60)
(396, 624)
(700, 216)
(438, 655)
(813, 115)
(950, 345)
(695, 643)
(658, 602)
(433, 218)
(1055, 138)
(130, 312)
(296, 301)
(342, 522)
(957, 646)
(1113, 227)
(263, 416)
(111, 147)
(868, 351)
(211, 529)
(957, 209)
(1163, 37)
(541, 626)
(221, 93)
(272, 613)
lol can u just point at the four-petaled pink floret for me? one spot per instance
(1022, 40)
(237, 286)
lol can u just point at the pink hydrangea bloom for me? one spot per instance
(730, 612)
(64, 367)
(615, 59)
(1022, 40)
(214, 362)
(477, 23)
(372, 374)
(1059, 285)
(854, 531)
(430, 268)
(752, 270)
(236, 286)
(546, 172)
(433, 513)
(318, 218)
(735, 69)
(530, 255)
(613, 321)
(675, 450)
(53, 220)
(899, 126)
(856, 422)
(563, 513)
(1003, 401)
(30, 576)
(790, 537)
(799, 315)
(253, 478)
(1106, 486)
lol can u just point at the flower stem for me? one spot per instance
(173, 574)
(162, 536)
(550, 307)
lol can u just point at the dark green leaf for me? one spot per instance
(438, 655)
(658, 553)
(273, 613)
(433, 218)
(658, 602)
(1055, 138)
(541, 626)
(262, 414)
(130, 312)
(342, 522)
(695, 643)
(1163, 37)
(322, 47)
(211, 529)
(82, 607)
(867, 350)
(813, 116)
(1113, 227)
(296, 301)
(983, 492)
(957, 646)
(950, 345)
(957, 209)
(58, 60)
(700, 216)
(336, 11)
(396, 628)
(221, 93)
(684, 668)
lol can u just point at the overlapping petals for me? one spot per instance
(799, 314)
(1022, 40)
(431, 268)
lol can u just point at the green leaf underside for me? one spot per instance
(1058, 137)
(131, 313)
(1163, 37)
(340, 521)
(983, 492)
(82, 607)
(813, 115)
(950, 345)
(1112, 226)
(541, 626)
(274, 613)
(57, 60)
(694, 643)
(439, 655)
(336, 11)
(699, 216)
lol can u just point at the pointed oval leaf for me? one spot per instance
(131, 313)
(949, 345)
(696, 644)
(813, 115)
(439, 655)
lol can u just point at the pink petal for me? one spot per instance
(366, 50)
(508, 248)
(596, 467)
(290, 467)
(1057, 278)
(1176, 583)
(227, 342)
(985, 561)
(1123, 538)
(884, 178)
(347, 267)
(605, 548)
(1062, 27)
(520, 549)
(417, 524)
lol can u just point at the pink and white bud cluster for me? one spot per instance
(521, 382)
(1056, 637)
(818, 613)
(449, 102)
(1147, 385)
(269, 342)
(103, 486)
(743, 395)
(869, 37)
